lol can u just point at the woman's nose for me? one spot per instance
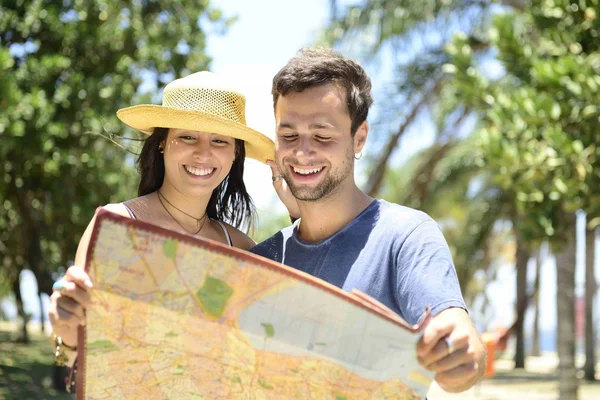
(202, 150)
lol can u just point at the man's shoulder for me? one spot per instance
(268, 241)
(401, 219)
(272, 246)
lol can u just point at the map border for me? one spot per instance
(355, 297)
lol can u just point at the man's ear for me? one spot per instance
(360, 137)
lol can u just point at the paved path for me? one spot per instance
(536, 382)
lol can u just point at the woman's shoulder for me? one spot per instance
(137, 208)
(118, 208)
(238, 238)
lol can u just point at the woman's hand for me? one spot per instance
(68, 303)
(284, 192)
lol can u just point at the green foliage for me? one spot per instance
(407, 38)
(65, 68)
(270, 224)
(539, 123)
(381, 21)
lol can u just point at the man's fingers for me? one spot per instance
(437, 352)
(451, 361)
(462, 373)
(441, 349)
(433, 333)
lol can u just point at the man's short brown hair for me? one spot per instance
(319, 66)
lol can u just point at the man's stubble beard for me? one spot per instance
(327, 187)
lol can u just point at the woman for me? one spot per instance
(191, 181)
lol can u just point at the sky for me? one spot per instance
(256, 46)
(251, 53)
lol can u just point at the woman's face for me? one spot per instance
(197, 162)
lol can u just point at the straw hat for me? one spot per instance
(201, 102)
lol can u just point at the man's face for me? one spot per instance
(314, 147)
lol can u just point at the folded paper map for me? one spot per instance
(176, 317)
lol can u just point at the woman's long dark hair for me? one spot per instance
(229, 202)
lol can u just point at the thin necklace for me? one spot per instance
(181, 211)
(200, 226)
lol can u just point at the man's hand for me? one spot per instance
(283, 191)
(451, 347)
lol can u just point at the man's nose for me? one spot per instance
(303, 148)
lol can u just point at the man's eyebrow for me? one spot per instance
(320, 125)
(287, 125)
(316, 125)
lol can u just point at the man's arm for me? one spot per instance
(427, 278)
(460, 369)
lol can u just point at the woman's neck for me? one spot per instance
(182, 204)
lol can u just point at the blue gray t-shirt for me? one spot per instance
(394, 254)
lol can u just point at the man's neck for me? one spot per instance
(323, 218)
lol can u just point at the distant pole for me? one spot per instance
(590, 295)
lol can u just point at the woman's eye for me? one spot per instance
(220, 141)
(186, 137)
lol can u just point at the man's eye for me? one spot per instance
(322, 138)
(289, 138)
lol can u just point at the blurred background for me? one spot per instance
(485, 116)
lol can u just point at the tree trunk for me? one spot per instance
(16, 287)
(32, 235)
(522, 257)
(568, 384)
(535, 345)
(42, 314)
(44, 281)
(590, 292)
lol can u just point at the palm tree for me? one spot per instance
(522, 254)
(568, 383)
(414, 34)
(539, 261)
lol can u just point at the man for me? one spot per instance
(395, 254)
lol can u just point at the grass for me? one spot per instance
(26, 370)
